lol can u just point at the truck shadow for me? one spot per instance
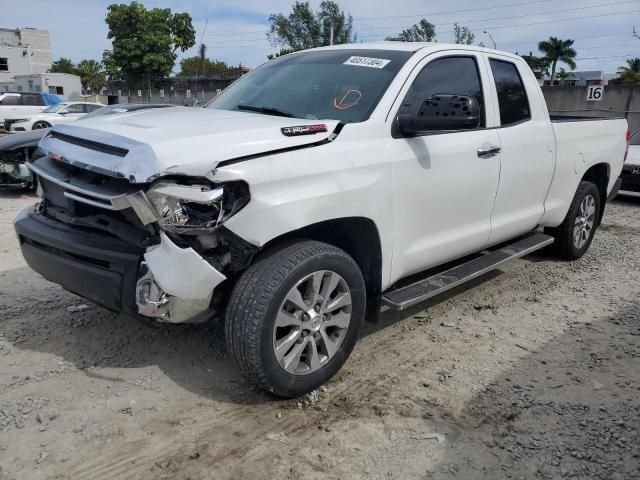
(35, 316)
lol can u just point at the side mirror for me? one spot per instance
(442, 112)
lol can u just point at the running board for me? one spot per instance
(422, 290)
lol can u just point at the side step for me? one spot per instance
(422, 290)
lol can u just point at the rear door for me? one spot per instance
(527, 143)
(443, 189)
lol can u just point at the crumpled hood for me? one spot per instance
(172, 141)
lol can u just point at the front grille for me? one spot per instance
(81, 198)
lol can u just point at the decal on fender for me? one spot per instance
(304, 130)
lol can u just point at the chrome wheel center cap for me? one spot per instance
(315, 324)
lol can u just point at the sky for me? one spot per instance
(236, 31)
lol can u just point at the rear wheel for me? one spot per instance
(293, 317)
(574, 235)
(40, 125)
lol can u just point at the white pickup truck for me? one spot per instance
(302, 198)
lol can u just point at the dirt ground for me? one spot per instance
(530, 372)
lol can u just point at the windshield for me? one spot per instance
(343, 85)
(55, 108)
(635, 138)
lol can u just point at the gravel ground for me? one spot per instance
(529, 372)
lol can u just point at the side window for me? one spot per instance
(31, 99)
(445, 76)
(76, 108)
(91, 108)
(9, 99)
(512, 96)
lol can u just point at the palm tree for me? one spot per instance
(563, 76)
(91, 75)
(558, 50)
(630, 73)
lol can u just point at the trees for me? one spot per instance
(563, 76)
(558, 50)
(539, 65)
(145, 42)
(303, 28)
(91, 75)
(192, 66)
(63, 65)
(629, 74)
(422, 31)
(462, 34)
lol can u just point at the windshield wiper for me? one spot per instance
(266, 110)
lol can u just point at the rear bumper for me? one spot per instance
(100, 268)
(630, 180)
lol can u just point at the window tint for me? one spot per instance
(635, 138)
(445, 76)
(75, 108)
(512, 97)
(10, 100)
(32, 99)
(91, 108)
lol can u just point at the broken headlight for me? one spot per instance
(196, 208)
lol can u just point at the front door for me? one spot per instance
(444, 185)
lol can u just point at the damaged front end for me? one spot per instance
(185, 256)
(179, 275)
(13, 168)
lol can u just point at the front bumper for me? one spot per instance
(101, 268)
(164, 282)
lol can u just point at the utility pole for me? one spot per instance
(492, 40)
(331, 34)
(202, 54)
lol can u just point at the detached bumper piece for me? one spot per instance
(176, 284)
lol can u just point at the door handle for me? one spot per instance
(488, 151)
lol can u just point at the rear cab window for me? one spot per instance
(512, 96)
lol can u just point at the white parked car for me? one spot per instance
(24, 103)
(313, 190)
(64, 112)
(630, 178)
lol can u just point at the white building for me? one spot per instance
(23, 51)
(64, 85)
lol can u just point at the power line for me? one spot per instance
(464, 22)
(519, 4)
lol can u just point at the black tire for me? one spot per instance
(40, 125)
(256, 300)
(564, 245)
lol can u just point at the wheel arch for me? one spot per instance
(358, 236)
(599, 174)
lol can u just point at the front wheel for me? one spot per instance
(294, 316)
(575, 234)
(40, 125)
